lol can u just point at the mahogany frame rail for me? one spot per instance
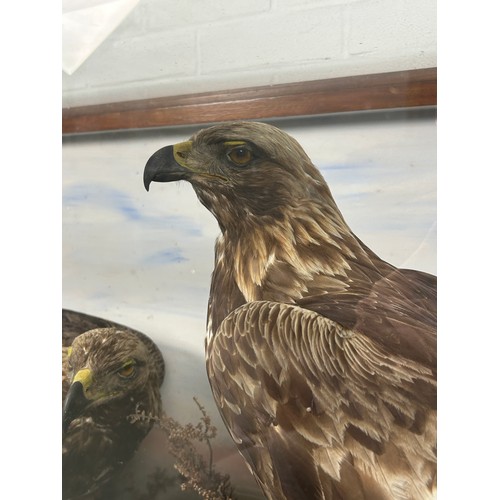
(400, 89)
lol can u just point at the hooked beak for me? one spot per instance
(168, 164)
(76, 401)
(74, 404)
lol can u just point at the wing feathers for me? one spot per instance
(291, 382)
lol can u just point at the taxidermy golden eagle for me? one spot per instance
(109, 373)
(321, 356)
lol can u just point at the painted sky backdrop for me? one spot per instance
(145, 259)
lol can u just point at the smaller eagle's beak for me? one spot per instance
(76, 402)
(168, 164)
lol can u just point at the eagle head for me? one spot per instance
(240, 170)
(110, 371)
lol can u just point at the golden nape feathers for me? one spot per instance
(110, 372)
(321, 356)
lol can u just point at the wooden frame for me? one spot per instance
(399, 89)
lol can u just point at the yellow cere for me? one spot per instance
(181, 150)
(83, 376)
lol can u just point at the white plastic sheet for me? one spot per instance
(86, 24)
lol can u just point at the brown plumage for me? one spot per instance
(109, 373)
(321, 356)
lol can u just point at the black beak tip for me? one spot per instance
(150, 170)
(147, 182)
(74, 405)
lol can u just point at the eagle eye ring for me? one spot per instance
(127, 370)
(240, 156)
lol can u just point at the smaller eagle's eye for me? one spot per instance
(127, 370)
(240, 156)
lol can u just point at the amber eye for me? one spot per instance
(127, 370)
(240, 155)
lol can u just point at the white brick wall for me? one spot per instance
(271, 41)
(170, 47)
